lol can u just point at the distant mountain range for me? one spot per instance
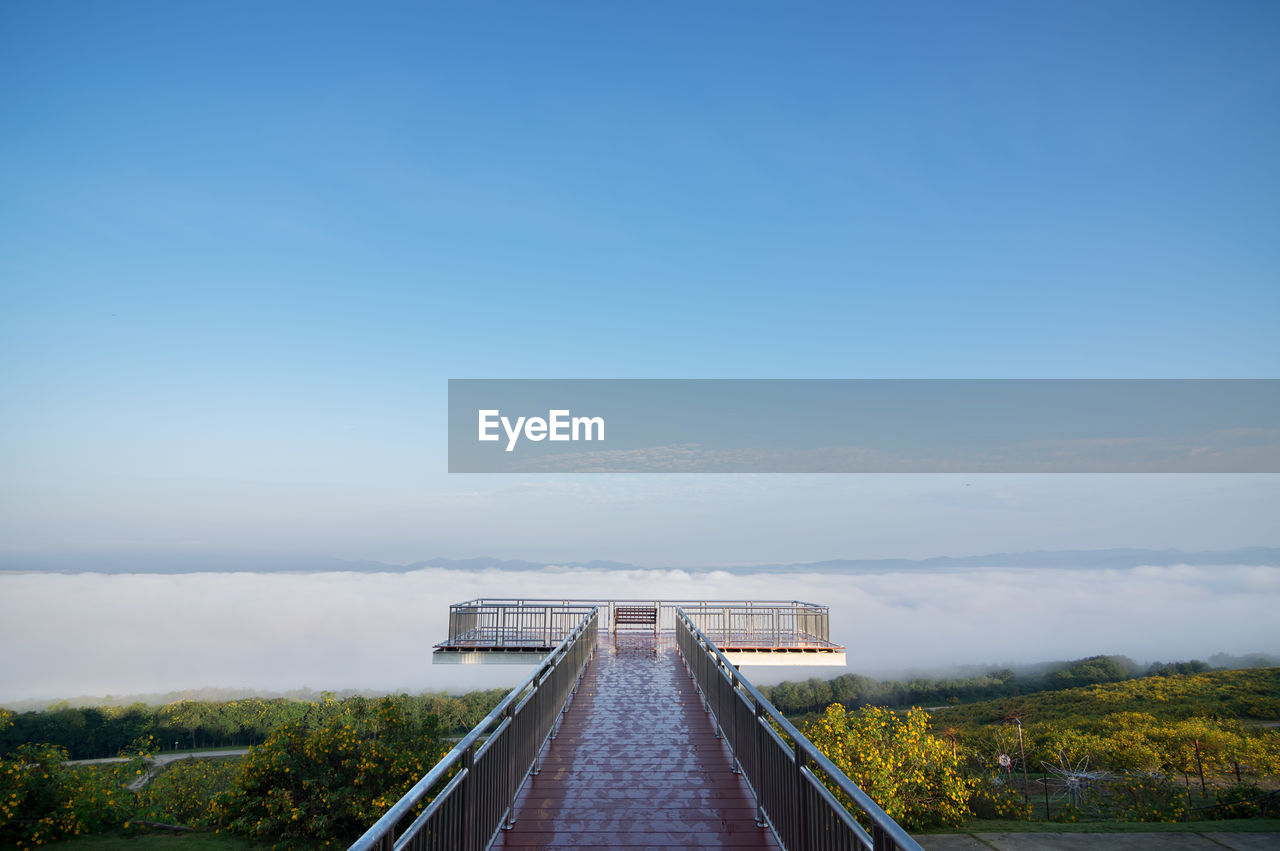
(1112, 558)
(235, 562)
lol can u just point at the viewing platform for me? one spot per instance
(748, 632)
(636, 729)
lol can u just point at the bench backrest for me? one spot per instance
(635, 614)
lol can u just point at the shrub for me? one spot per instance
(324, 784)
(997, 801)
(1245, 800)
(912, 774)
(42, 799)
(188, 792)
(1147, 797)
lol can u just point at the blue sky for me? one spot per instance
(243, 247)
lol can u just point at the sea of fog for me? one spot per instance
(95, 634)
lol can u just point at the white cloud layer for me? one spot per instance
(69, 635)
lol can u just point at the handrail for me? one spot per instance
(552, 686)
(803, 807)
(485, 624)
(595, 601)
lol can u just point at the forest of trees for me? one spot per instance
(853, 690)
(91, 732)
(1173, 742)
(318, 778)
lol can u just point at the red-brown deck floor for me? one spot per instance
(636, 763)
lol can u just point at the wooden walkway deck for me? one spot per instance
(636, 763)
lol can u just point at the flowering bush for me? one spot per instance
(912, 774)
(997, 801)
(1147, 797)
(324, 784)
(41, 799)
(1245, 800)
(188, 792)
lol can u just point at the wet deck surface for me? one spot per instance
(636, 763)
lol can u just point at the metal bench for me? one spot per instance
(646, 616)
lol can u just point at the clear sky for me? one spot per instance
(244, 245)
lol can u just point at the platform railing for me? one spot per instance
(514, 623)
(498, 623)
(756, 624)
(791, 780)
(471, 792)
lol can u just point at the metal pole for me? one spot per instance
(733, 719)
(468, 798)
(761, 720)
(802, 817)
(513, 769)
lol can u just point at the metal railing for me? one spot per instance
(759, 625)
(472, 791)
(514, 623)
(787, 778)
(496, 623)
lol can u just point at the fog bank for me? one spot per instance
(69, 635)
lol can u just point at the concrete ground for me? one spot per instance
(1207, 841)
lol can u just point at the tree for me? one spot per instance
(913, 775)
(1095, 669)
(324, 781)
(43, 799)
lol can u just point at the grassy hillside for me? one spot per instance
(1186, 725)
(1250, 695)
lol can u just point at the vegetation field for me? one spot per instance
(159, 841)
(92, 732)
(325, 773)
(1164, 748)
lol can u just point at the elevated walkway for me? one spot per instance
(636, 763)
(630, 733)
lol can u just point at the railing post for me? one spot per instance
(468, 797)
(802, 799)
(733, 717)
(741, 742)
(761, 720)
(512, 769)
(555, 711)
